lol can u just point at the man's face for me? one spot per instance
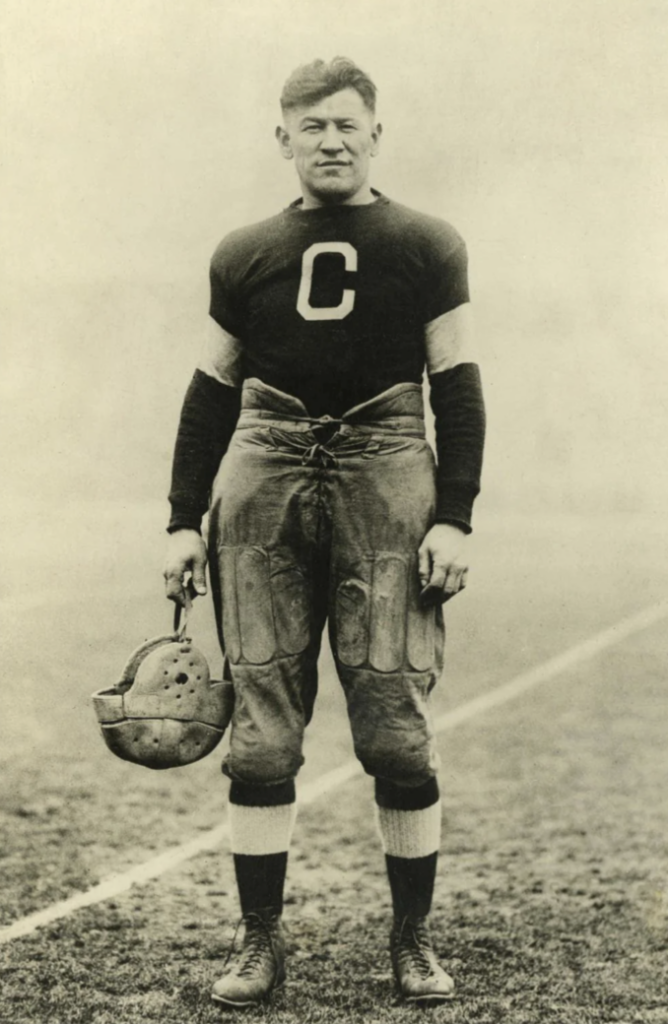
(331, 143)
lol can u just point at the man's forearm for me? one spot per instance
(459, 410)
(208, 418)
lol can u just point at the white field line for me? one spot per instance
(312, 791)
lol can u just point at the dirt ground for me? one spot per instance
(551, 902)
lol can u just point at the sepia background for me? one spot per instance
(138, 133)
(135, 135)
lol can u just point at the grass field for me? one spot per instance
(552, 902)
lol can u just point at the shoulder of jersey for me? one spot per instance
(426, 226)
(245, 240)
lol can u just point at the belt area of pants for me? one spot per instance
(321, 441)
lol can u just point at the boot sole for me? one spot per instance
(430, 1000)
(249, 1002)
(427, 999)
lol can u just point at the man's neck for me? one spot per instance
(364, 197)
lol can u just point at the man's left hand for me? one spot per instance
(441, 573)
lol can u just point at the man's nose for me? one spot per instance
(331, 139)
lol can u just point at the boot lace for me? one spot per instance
(259, 941)
(413, 948)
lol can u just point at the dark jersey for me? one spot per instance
(331, 304)
(335, 305)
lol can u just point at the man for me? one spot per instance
(328, 506)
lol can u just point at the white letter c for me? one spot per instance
(347, 302)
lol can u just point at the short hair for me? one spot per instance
(312, 82)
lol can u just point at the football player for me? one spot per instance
(329, 506)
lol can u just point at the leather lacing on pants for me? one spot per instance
(315, 446)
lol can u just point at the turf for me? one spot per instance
(551, 901)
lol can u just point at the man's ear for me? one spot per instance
(375, 139)
(283, 139)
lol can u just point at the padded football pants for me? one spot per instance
(315, 520)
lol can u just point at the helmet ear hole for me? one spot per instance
(181, 678)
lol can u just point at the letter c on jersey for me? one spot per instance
(347, 302)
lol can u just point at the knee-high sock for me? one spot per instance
(261, 822)
(409, 819)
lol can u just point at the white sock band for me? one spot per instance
(410, 834)
(258, 831)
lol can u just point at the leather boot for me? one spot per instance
(259, 967)
(420, 977)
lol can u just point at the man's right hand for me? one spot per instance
(186, 553)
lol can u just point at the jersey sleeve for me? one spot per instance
(208, 418)
(227, 303)
(445, 273)
(459, 412)
(450, 340)
(212, 402)
(221, 356)
(454, 379)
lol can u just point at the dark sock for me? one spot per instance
(260, 881)
(411, 884)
